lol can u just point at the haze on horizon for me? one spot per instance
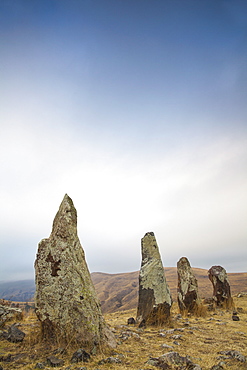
(136, 110)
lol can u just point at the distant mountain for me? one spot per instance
(17, 291)
(119, 292)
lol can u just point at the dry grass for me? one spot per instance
(202, 338)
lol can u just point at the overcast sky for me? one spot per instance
(138, 110)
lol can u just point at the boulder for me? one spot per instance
(9, 313)
(65, 300)
(221, 287)
(15, 335)
(131, 321)
(155, 300)
(80, 356)
(188, 298)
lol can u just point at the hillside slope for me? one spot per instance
(119, 292)
(17, 291)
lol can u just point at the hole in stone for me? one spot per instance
(54, 264)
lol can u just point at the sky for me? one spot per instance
(137, 109)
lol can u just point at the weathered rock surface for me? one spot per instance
(54, 361)
(65, 299)
(234, 354)
(221, 287)
(188, 298)
(172, 360)
(9, 313)
(14, 334)
(154, 295)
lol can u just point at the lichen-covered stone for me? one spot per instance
(65, 299)
(188, 298)
(154, 295)
(221, 287)
(9, 313)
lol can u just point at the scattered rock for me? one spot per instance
(221, 287)
(80, 355)
(7, 358)
(110, 360)
(15, 335)
(240, 309)
(54, 361)
(188, 298)
(241, 294)
(131, 321)
(171, 359)
(177, 336)
(219, 366)
(155, 300)
(66, 301)
(124, 335)
(234, 354)
(39, 365)
(221, 323)
(163, 335)
(170, 331)
(235, 318)
(164, 345)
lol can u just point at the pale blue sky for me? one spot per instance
(137, 110)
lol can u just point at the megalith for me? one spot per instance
(221, 287)
(65, 300)
(155, 300)
(188, 298)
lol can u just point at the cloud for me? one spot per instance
(192, 196)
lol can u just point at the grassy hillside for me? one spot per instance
(120, 291)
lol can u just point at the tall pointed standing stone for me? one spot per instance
(154, 295)
(188, 299)
(65, 300)
(221, 287)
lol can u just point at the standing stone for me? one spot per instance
(154, 295)
(65, 300)
(188, 299)
(221, 287)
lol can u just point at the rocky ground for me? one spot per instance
(214, 341)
